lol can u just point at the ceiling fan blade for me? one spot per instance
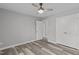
(34, 5)
(49, 9)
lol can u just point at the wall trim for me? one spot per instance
(52, 41)
(12, 46)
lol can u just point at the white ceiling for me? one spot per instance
(28, 9)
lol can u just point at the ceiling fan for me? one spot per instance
(41, 8)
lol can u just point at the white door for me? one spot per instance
(40, 30)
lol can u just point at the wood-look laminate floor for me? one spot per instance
(40, 47)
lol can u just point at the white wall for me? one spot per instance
(50, 28)
(15, 28)
(67, 30)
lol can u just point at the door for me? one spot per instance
(40, 30)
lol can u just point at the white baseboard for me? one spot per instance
(63, 44)
(12, 46)
(52, 41)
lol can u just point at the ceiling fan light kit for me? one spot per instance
(40, 11)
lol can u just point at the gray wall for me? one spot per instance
(15, 28)
(50, 28)
(67, 30)
(63, 30)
